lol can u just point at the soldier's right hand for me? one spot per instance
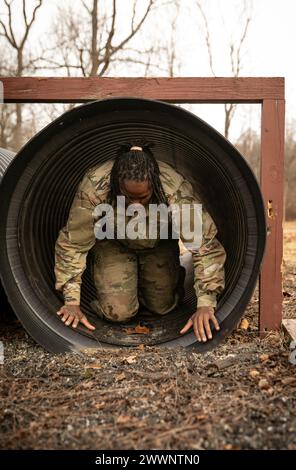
(72, 315)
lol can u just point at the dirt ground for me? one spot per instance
(240, 396)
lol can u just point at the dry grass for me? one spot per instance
(289, 269)
(290, 242)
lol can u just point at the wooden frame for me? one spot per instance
(267, 91)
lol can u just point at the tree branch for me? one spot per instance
(207, 37)
(10, 22)
(28, 25)
(134, 30)
(108, 47)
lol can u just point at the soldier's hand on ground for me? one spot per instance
(200, 321)
(72, 315)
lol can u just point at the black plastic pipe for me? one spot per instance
(38, 187)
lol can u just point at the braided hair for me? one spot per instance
(138, 165)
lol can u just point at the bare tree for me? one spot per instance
(172, 59)
(290, 172)
(8, 33)
(6, 126)
(90, 42)
(235, 52)
(7, 111)
(88, 47)
(249, 146)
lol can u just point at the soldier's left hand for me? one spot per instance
(200, 321)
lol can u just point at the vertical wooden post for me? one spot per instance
(272, 173)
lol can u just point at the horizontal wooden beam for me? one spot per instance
(173, 90)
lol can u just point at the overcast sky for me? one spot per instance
(268, 50)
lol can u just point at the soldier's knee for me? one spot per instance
(120, 316)
(118, 310)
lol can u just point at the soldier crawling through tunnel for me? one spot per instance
(144, 270)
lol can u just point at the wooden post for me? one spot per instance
(272, 185)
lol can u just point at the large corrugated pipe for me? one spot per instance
(38, 187)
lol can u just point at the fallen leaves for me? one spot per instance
(288, 381)
(140, 395)
(263, 384)
(254, 373)
(88, 384)
(202, 417)
(100, 406)
(244, 325)
(137, 330)
(87, 351)
(93, 366)
(123, 419)
(231, 447)
(264, 357)
(131, 359)
(286, 294)
(120, 377)
(273, 339)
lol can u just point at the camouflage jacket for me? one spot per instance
(77, 238)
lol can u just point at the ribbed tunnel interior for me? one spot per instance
(37, 190)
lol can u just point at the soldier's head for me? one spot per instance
(135, 175)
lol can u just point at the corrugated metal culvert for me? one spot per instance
(38, 187)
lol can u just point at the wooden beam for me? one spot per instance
(290, 326)
(272, 174)
(173, 90)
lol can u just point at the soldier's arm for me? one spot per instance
(74, 242)
(209, 258)
(208, 263)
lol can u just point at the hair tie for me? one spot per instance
(134, 147)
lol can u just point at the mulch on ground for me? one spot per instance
(242, 395)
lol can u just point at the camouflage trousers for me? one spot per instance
(125, 278)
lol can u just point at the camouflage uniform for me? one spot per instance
(128, 271)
